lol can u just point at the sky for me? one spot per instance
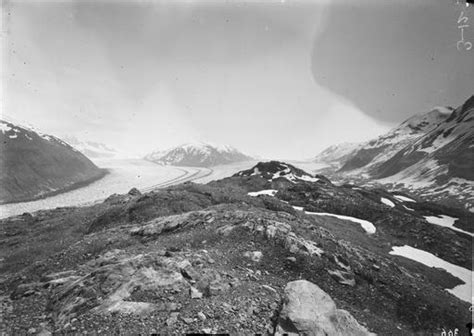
(277, 79)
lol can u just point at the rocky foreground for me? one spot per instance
(242, 255)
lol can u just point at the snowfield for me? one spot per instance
(446, 221)
(462, 291)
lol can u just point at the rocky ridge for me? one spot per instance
(214, 259)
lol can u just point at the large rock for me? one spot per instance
(308, 310)
(108, 282)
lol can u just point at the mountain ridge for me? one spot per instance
(37, 165)
(432, 156)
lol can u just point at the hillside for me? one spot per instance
(428, 155)
(36, 165)
(198, 155)
(375, 152)
(449, 145)
(270, 250)
(438, 165)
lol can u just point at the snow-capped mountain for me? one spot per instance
(91, 149)
(198, 154)
(336, 154)
(439, 163)
(35, 164)
(431, 155)
(374, 152)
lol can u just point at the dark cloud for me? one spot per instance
(394, 60)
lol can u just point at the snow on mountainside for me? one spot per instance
(198, 154)
(374, 152)
(35, 164)
(91, 149)
(431, 155)
(336, 154)
(439, 163)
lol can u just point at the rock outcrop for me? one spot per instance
(308, 310)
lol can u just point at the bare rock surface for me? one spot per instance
(308, 310)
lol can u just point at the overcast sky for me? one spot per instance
(281, 79)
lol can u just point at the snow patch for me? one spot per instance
(269, 192)
(308, 178)
(446, 221)
(403, 198)
(282, 172)
(388, 202)
(255, 171)
(366, 225)
(4, 127)
(461, 291)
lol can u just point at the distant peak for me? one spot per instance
(199, 154)
(204, 144)
(428, 120)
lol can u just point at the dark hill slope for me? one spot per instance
(35, 165)
(449, 145)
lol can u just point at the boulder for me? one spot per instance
(308, 310)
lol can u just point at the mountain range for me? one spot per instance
(36, 165)
(430, 154)
(198, 154)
